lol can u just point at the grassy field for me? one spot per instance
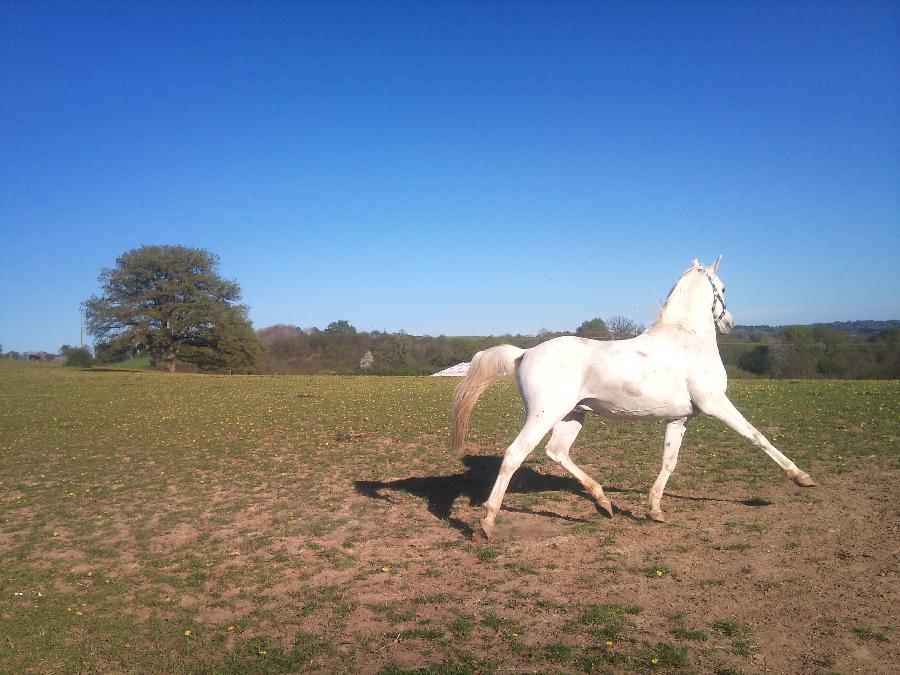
(188, 523)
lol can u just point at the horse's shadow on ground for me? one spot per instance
(476, 481)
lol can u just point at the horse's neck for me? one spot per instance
(688, 310)
(703, 332)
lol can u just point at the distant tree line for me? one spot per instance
(802, 352)
(790, 352)
(340, 348)
(168, 304)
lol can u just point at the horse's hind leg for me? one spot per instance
(564, 434)
(674, 434)
(530, 435)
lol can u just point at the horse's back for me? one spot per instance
(565, 356)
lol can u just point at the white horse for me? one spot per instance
(670, 372)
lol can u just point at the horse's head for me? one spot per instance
(721, 316)
(687, 301)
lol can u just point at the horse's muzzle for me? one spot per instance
(726, 323)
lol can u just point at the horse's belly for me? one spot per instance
(633, 387)
(632, 401)
(631, 410)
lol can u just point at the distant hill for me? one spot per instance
(860, 329)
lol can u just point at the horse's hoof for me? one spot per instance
(487, 528)
(605, 507)
(803, 480)
(656, 516)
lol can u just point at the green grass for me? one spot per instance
(683, 633)
(731, 628)
(609, 621)
(463, 627)
(487, 554)
(667, 655)
(740, 634)
(656, 571)
(869, 633)
(139, 362)
(498, 623)
(137, 505)
(559, 652)
(738, 546)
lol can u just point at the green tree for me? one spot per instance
(107, 353)
(757, 359)
(885, 350)
(76, 357)
(797, 353)
(833, 347)
(594, 328)
(341, 327)
(170, 302)
(623, 328)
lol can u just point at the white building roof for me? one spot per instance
(459, 370)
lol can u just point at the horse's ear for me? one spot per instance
(715, 265)
(695, 263)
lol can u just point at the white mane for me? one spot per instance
(677, 309)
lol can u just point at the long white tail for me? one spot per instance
(486, 368)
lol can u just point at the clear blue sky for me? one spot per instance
(453, 167)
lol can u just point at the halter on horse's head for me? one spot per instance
(722, 318)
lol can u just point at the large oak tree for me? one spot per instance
(170, 302)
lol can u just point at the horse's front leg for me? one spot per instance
(720, 407)
(674, 435)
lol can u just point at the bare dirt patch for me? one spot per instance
(799, 581)
(178, 536)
